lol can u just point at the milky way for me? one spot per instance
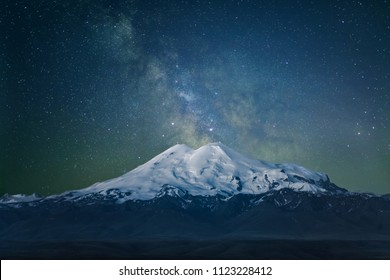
(92, 89)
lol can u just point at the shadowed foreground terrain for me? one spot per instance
(187, 249)
(277, 225)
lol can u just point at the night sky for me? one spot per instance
(91, 89)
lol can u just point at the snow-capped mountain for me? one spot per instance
(183, 195)
(213, 169)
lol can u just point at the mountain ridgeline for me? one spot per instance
(207, 203)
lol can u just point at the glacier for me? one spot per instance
(213, 169)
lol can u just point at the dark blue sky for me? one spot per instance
(91, 89)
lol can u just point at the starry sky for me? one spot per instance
(91, 89)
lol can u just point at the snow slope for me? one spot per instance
(210, 170)
(213, 169)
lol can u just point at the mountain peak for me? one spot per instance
(213, 169)
(216, 148)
